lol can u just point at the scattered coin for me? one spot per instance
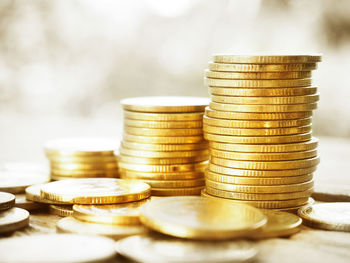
(7, 201)
(61, 210)
(28, 205)
(13, 219)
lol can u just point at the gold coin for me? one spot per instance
(279, 224)
(258, 197)
(165, 147)
(295, 138)
(65, 177)
(174, 183)
(265, 83)
(84, 173)
(263, 156)
(82, 166)
(162, 161)
(165, 104)
(164, 168)
(163, 124)
(162, 176)
(244, 180)
(270, 204)
(33, 194)
(161, 248)
(263, 108)
(163, 132)
(266, 100)
(163, 140)
(266, 92)
(258, 75)
(260, 189)
(95, 191)
(271, 148)
(201, 218)
(257, 116)
(72, 225)
(177, 191)
(267, 59)
(160, 154)
(61, 210)
(270, 67)
(190, 116)
(91, 160)
(294, 209)
(256, 132)
(13, 219)
(257, 173)
(22, 202)
(274, 165)
(7, 201)
(329, 216)
(116, 214)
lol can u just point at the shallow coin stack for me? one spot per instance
(258, 125)
(163, 144)
(82, 158)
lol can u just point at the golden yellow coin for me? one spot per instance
(164, 168)
(162, 176)
(295, 209)
(274, 165)
(82, 166)
(33, 194)
(263, 108)
(215, 167)
(263, 156)
(256, 132)
(258, 75)
(165, 104)
(270, 67)
(177, 191)
(266, 100)
(22, 202)
(329, 216)
(72, 225)
(271, 148)
(95, 191)
(295, 138)
(162, 161)
(189, 116)
(61, 210)
(163, 124)
(201, 218)
(163, 139)
(257, 116)
(115, 214)
(91, 160)
(7, 201)
(260, 189)
(84, 173)
(161, 154)
(13, 219)
(267, 58)
(266, 83)
(165, 147)
(258, 197)
(174, 183)
(266, 92)
(163, 132)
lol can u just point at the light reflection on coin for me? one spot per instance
(13, 219)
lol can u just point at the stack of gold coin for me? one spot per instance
(82, 158)
(258, 125)
(163, 144)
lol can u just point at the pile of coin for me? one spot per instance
(82, 158)
(163, 144)
(258, 125)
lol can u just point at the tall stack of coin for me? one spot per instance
(258, 125)
(82, 158)
(163, 144)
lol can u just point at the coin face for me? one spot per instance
(329, 216)
(165, 104)
(13, 219)
(200, 218)
(95, 190)
(160, 248)
(267, 58)
(7, 201)
(44, 248)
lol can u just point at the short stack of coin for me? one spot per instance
(258, 125)
(82, 158)
(163, 144)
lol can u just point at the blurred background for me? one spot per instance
(65, 65)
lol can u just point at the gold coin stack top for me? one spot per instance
(82, 158)
(258, 125)
(163, 144)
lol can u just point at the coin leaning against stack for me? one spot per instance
(258, 125)
(163, 144)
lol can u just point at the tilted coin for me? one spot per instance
(261, 83)
(177, 191)
(189, 116)
(33, 194)
(164, 168)
(95, 191)
(258, 75)
(7, 201)
(164, 147)
(83, 166)
(163, 124)
(72, 225)
(200, 218)
(163, 132)
(163, 139)
(174, 183)
(13, 219)
(161, 248)
(263, 108)
(162, 176)
(329, 216)
(267, 58)
(165, 104)
(161, 154)
(268, 148)
(258, 92)
(22, 202)
(176, 160)
(61, 210)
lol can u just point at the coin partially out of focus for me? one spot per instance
(61, 210)
(13, 219)
(22, 202)
(7, 201)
